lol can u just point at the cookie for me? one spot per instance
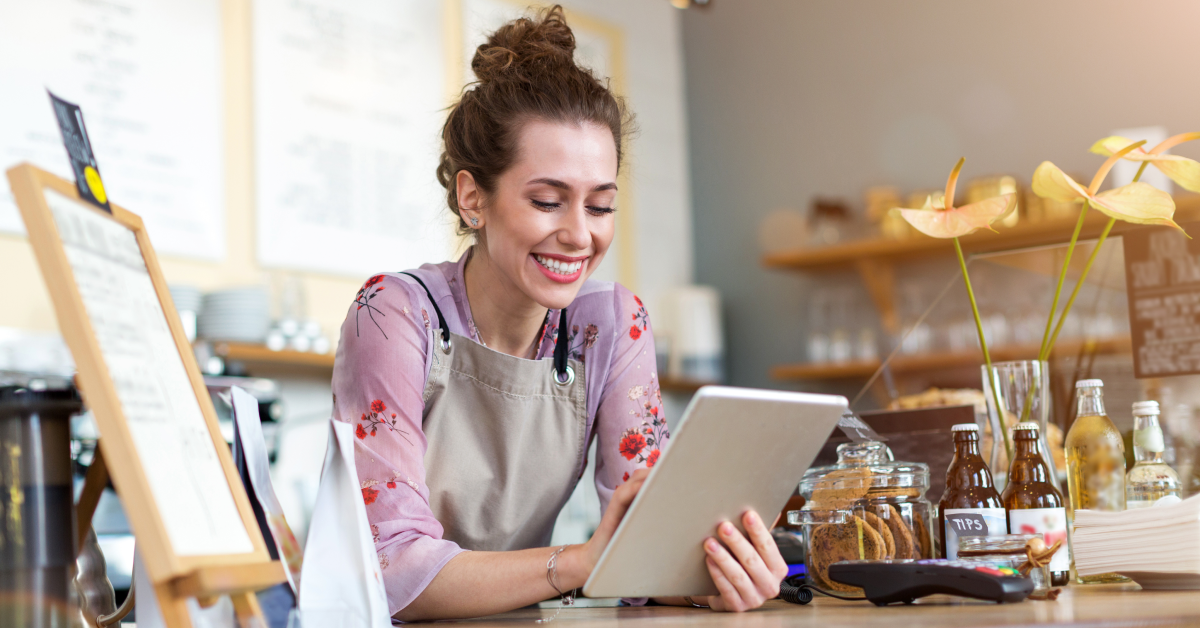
(842, 486)
(923, 541)
(906, 546)
(889, 542)
(836, 542)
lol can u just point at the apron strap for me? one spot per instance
(436, 310)
(561, 374)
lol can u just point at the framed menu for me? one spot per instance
(1162, 279)
(186, 504)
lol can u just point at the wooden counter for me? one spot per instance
(1094, 606)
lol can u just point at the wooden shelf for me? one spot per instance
(681, 385)
(253, 354)
(937, 361)
(1024, 235)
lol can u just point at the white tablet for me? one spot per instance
(736, 449)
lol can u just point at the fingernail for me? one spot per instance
(727, 528)
(753, 516)
(710, 544)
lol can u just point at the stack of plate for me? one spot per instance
(188, 301)
(240, 314)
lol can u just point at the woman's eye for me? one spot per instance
(545, 204)
(601, 210)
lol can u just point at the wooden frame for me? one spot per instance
(175, 577)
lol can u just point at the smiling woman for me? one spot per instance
(477, 386)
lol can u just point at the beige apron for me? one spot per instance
(506, 440)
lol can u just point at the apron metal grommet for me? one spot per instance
(445, 345)
(555, 375)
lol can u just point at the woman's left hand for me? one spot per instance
(747, 571)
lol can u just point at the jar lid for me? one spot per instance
(863, 471)
(1143, 408)
(1090, 383)
(1027, 425)
(965, 427)
(997, 543)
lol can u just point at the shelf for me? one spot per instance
(681, 385)
(253, 354)
(937, 361)
(875, 258)
(1024, 235)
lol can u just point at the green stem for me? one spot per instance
(1078, 285)
(1047, 348)
(987, 358)
(1061, 277)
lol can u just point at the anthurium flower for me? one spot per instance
(1138, 202)
(951, 222)
(1181, 170)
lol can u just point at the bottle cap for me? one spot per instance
(965, 427)
(1090, 383)
(1143, 408)
(1027, 425)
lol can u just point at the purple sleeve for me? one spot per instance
(631, 427)
(378, 384)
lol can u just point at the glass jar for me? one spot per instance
(1004, 551)
(864, 507)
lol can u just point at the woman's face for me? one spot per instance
(550, 220)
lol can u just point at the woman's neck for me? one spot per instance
(505, 319)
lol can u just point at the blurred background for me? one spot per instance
(282, 152)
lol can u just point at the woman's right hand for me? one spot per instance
(617, 507)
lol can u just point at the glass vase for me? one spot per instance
(1024, 388)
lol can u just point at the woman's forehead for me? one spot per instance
(579, 154)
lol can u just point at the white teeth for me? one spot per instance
(559, 267)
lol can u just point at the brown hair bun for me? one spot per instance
(526, 71)
(524, 49)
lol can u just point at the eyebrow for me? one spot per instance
(555, 183)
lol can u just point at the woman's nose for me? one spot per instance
(574, 231)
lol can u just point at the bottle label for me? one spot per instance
(962, 522)
(1051, 523)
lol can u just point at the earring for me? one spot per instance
(474, 222)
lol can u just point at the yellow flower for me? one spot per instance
(951, 222)
(1181, 170)
(1138, 202)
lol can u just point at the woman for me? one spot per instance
(476, 387)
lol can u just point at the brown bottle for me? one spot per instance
(1034, 505)
(970, 505)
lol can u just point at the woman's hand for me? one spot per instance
(617, 507)
(747, 571)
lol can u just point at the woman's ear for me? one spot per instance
(470, 199)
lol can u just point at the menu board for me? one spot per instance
(148, 76)
(1162, 278)
(170, 434)
(349, 102)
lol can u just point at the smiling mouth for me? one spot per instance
(564, 269)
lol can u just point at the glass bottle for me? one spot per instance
(1150, 479)
(1095, 462)
(970, 505)
(1034, 505)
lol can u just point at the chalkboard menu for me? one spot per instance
(1162, 278)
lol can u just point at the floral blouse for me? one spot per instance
(379, 378)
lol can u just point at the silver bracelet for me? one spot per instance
(689, 600)
(565, 599)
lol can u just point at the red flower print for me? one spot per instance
(391, 484)
(376, 418)
(639, 301)
(634, 332)
(360, 432)
(626, 478)
(632, 444)
(652, 458)
(369, 291)
(369, 495)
